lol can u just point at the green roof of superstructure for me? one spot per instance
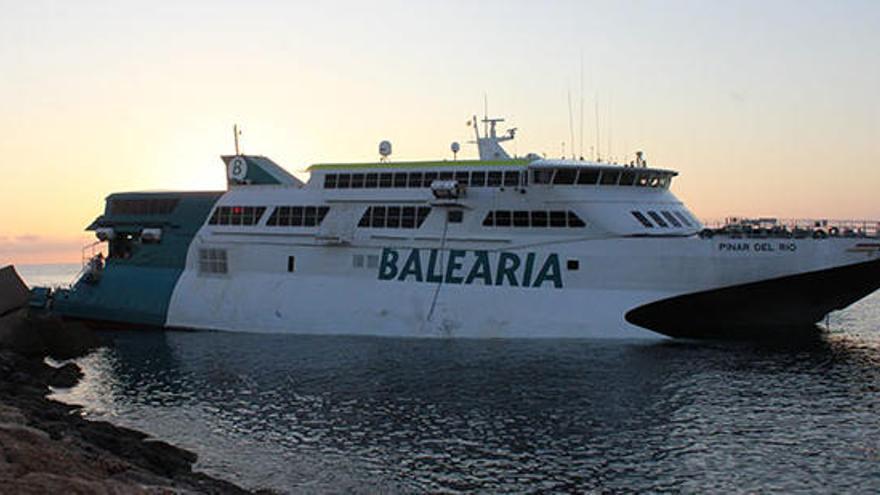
(516, 162)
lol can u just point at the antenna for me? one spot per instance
(570, 123)
(581, 151)
(610, 128)
(236, 132)
(485, 114)
(598, 150)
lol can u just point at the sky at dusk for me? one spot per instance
(767, 108)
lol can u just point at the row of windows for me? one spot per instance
(522, 218)
(590, 177)
(663, 219)
(237, 215)
(142, 206)
(297, 216)
(508, 178)
(394, 217)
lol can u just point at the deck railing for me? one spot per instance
(793, 227)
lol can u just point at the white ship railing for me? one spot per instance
(793, 227)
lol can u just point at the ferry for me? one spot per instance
(497, 247)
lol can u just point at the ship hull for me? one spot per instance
(680, 287)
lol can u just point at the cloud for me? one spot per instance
(28, 238)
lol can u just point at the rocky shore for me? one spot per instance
(46, 447)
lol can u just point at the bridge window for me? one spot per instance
(610, 177)
(297, 216)
(657, 219)
(627, 178)
(588, 177)
(565, 176)
(543, 176)
(642, 219)
(237, 215)
(683, 218)
(670, 218)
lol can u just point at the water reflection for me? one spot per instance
(372, 414)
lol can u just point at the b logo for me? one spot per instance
(237, 168)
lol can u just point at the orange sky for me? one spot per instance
(765, 109)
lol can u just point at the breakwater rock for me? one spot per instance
(47, 447)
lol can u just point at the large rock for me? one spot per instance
(13, 291)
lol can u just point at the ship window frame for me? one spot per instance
(446, 175)
(521, 218)
(343, 181)
(330, 181)
(430, 177)
(455, 216)
(542, 176)
(463, 177)
(574, 221)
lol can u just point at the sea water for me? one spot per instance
(365, 415)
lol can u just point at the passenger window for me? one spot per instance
(343, 181)
(392, 221)
(408, 217)
(557, 219)
(494, 179)
(539, 219)
(430, 177)
(446, 175)
(357, 181)
(455, 216)
(330, 181)
(574, 220)
(415, 179)
(521, 219)
(565, 176)
(385, 180)
(400, 179)
(291, 264)
(478, 179)
(511, 178)
(462, 178)
(502, 218)
(378, 217)
(371, 181)
(489, 221)
(627, 178)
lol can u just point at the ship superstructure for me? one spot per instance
(494, 247)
